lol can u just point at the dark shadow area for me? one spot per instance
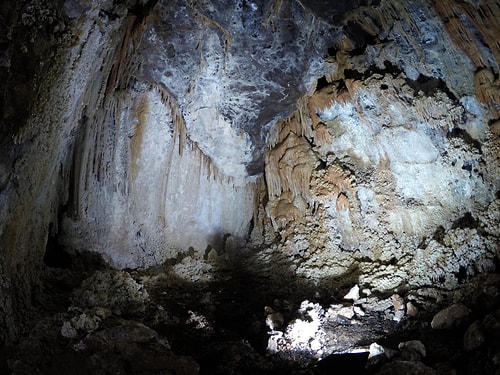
(217, 323)
(55, 256)
(466, 137)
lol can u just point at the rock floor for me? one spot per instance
(240, 317)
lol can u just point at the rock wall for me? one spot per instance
(135, 133)
(47, 74)
(388, 173)
(142, 191)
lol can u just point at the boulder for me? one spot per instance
(451, 317)
(474, 336)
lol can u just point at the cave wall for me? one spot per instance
(388, 173)
(41, 113)
(361, 139)
(142, 191)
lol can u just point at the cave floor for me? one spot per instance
(92, 319)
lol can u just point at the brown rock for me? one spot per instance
(411, 309)
(491, 325)
(412, 350)
(474, 336)
(138, 346)
(398, 302)
(451, 317)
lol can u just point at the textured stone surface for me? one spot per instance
(474, 336)
(219, 326)
(451, 317)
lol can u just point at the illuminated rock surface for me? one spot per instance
(211, 158)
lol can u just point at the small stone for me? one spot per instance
(359, 311)
(274, 321)
(347, 312)
(496, 359)
(411, 309)
(398, 302)
(79, 346)
(315, 345)
(474, 336)
(212, 256)
(273, 346)
(398, 315)
(412, 350)
(68, 331)
(375, 350)
(378, 355)
(451, 317)
(353, 293)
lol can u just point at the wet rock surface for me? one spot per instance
(153, 322)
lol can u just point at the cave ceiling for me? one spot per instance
(236, 67)
(242, 64)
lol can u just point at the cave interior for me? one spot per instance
(249, 187)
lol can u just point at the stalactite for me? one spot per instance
(322, 135)
(180, 133)
(274, 13)
(332, 184)
(304, 118)
(288, 168)
(368, 19)
(122, 55)
(459, 16)
(133, 30)
(209, 22)
(488, 90)
(135, 144)
(181, 137)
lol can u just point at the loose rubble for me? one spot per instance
(155, 322)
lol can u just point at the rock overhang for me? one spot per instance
(235, 69)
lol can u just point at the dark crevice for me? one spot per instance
(107, 14)
(461, 275)
(360, 38)
(332, 51)
(423, 244)
(466, 221)
(321, 165)
(55, 256)
(466, 137)
(429, 86)
(438, 235)
(142, 10)
(322, 83)
(389, 68)
(251, 226)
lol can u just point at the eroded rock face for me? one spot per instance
(139, 131)
(390, 168)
